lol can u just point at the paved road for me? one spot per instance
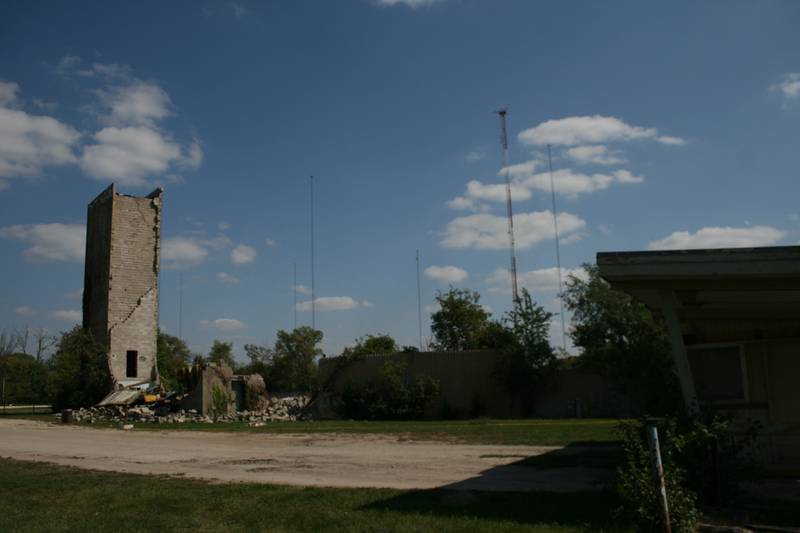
(326, 460)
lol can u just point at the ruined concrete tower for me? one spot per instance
(120, 291)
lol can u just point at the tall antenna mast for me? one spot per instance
(294, 293)
(180, 305)
(313, 288)
(504, 144)
(419, 303)
(558, 252)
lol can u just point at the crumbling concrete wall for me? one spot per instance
(121, 281)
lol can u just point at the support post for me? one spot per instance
(655, 449)
(679, 355)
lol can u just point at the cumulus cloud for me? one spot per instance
(67, 315)
(789, 87)
(182, 252)
(224, 277)
(596, 155)
(270, 242)
(446, 274)
(224, 324)
(30, 142)
(475, 155)
(129, 155)
(478, 192)
(596, 129)
(136, 103)
(333, 303)
(571, 184)
(243, 254)
(49, 242)
(302, 289)
(719, 237)
(489, 232)
(544, 279)
(25, 311)
(8, 93)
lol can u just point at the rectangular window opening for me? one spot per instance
(131, 363)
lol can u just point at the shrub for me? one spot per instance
(220, 401)
(637, 484)
(392, 397)
(79, 374)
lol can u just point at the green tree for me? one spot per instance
(222, 352)
(621, 340)
(369, 344)
(25, 379)
(460, 322)
(79, 374)
(294, 363)
(260, 359)
(173, 355)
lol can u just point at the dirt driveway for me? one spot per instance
(326, 460)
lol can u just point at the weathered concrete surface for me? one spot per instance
(325, 460)
(120, 298)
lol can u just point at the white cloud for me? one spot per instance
(302, 289)
(596, 154)
(194, 156)
(409, 3)
(475, 155)
(545, 279)
(224, 277)
(270, 242)
(25, 311)
(182, 252)
(446, 274)
(30, 142)
(8, 93)
(491, 192)
(571, 184)
(716, 237)
(333, 303)
(223, 226)
(668, 139)
(67, 315)
(224, 324)
(432, 308)
(49, 242)
(596, 129)
(137, 103)
(243, 254)
(489, 232)
(129, 155)
(520, 170)
(789, 87)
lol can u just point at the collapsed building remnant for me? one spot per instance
(120, 294)
(244, 392)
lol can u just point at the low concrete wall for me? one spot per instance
(469, 387)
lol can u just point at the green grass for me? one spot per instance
(41, 497)
(534, 432)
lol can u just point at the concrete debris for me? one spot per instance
(285, 409)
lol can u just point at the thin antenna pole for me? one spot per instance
(294, 292)
(313, 287)
(558, 252)
(419, 303)
(180, 305)
(504, 143)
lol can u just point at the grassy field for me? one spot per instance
(39, 497)
(535, 432)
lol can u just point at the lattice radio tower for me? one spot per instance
(504, 143)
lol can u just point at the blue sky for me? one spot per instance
(672, 125)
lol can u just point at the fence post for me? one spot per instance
(652, 434)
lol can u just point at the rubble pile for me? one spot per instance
(289, 408)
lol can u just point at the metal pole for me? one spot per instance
(558, 253)
(180, 305)
(313, 291)
(294, 292)
(4, 395)
(419, 304)
(504, 143)
(652, 434)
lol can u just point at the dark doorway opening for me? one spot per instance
(130, 368)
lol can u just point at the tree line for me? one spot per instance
(615, 335)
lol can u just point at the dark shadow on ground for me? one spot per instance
(572, 486)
